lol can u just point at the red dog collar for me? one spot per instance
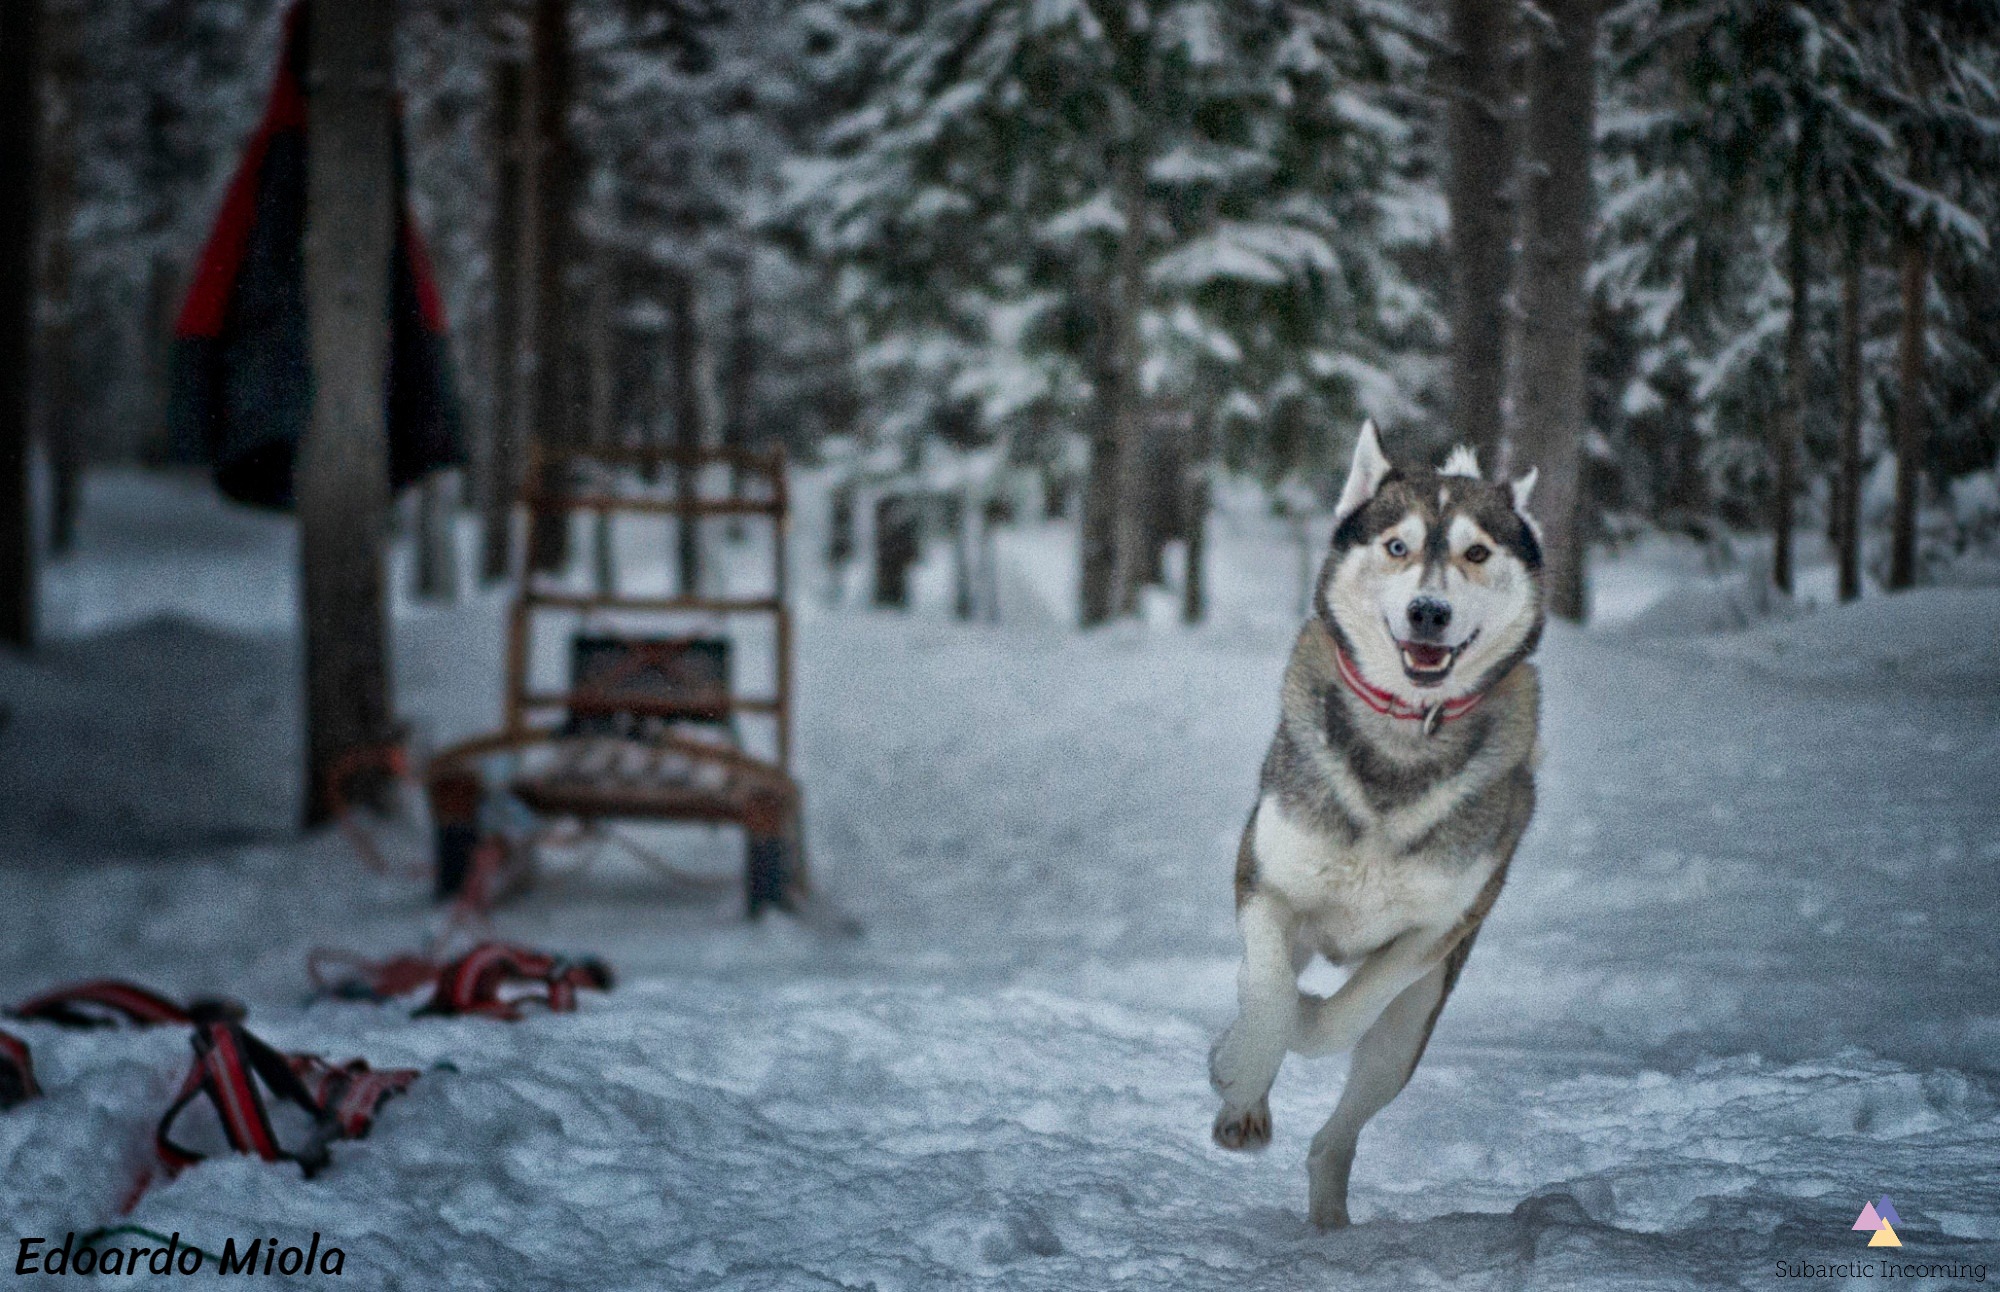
(1394, 706)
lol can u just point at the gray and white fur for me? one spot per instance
(1380, 840)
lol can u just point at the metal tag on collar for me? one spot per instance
(1432, 716)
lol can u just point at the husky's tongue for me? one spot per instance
(1422, 656)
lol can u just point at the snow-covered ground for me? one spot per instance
(1743, 980)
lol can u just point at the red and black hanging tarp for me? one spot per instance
(241, 378)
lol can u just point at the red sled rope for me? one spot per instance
(100, 1002)
(17, 1072)
(229, 1068)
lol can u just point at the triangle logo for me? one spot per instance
(1886, 1211)
(1885, 1237)
(1869, 1218)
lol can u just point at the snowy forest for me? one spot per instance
(969, 387)
(881, 231)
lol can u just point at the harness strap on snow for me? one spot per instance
(101, 1002)
(228, 1060)
(351, 1093)
(229, 1063)
(473, 983)
(17, 1072)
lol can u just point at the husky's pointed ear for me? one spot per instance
(1370, 468)
(1521, 489)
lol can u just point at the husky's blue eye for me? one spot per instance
(1398, 548)
(1477, 553)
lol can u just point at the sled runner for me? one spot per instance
(647, 728)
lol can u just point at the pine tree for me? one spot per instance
(1936, 85)
(1717, 235)
(1085, 209)
(690, 113)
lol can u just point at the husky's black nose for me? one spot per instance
(1429, 617)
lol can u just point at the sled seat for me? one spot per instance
(591, 779)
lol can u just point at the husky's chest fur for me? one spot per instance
(1365, 827)
(1353, 897)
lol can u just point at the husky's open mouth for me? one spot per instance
(1429, 663)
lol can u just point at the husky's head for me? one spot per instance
(1434, 583)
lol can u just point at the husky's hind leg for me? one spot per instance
(1245, 1061)
(1384, 1058)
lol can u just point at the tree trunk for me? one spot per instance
(1789, 426)
(1548, 372)
(163, 299)
(65, 435)
(1915, 254)
(62, 398)
(603, 408)
(1847, 488)
(1194, 582)
(1307, 570)
(1112, 531)
(992, 516)
(63, 430)
(1161, 485)
(548, 172)
(437, 539)
(1909, 409)
(739, 379)
(897, 543)
(962, 515)
(1479, 191)
(690, 422)
(1098, 527)
(1129, 561)
(342, 486)
(19, 92)
(504, 438)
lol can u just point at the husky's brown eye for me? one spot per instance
(1396, 547)
(1477, 553)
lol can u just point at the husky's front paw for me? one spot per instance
(1245, 1129)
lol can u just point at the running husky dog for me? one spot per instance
(1399, 782)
